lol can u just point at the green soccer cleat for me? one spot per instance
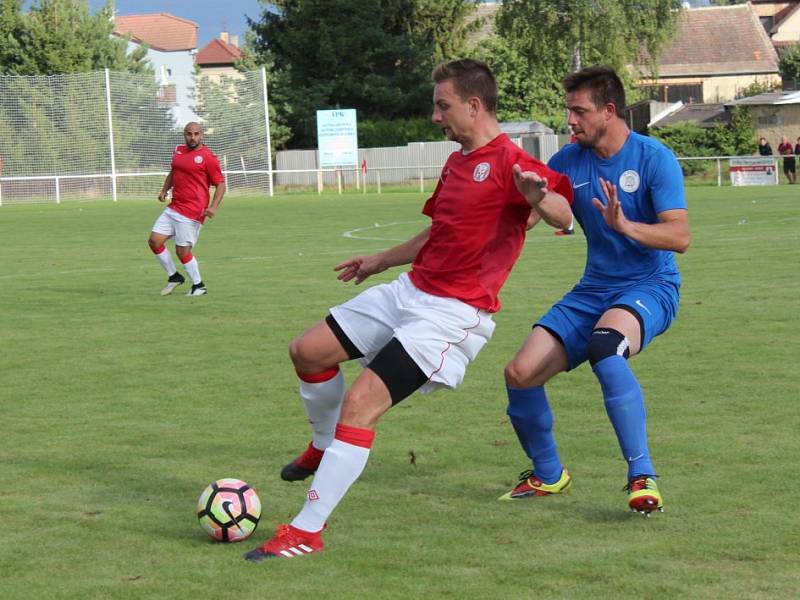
(643, 495)
(529, 486)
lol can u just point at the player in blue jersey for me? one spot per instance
(629, 200)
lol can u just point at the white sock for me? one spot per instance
(165, 259)
(341, 465)
(323, 402)
(193, 270)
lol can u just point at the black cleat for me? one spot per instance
(173, 281)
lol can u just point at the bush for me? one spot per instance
(688, 139)
(378, 133)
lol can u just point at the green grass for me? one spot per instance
(119, 406)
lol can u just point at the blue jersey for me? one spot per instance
(649, 181)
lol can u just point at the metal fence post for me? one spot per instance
(111, 139)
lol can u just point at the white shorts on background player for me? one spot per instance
(441, 335)
(184, 230)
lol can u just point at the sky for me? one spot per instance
(211, 16)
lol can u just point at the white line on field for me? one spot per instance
(353, 233)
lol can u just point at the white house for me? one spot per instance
(172, 44)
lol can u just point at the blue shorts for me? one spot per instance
(575, 316)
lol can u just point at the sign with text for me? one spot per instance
(758, 170)
(337, 137)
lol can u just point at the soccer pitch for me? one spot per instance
(120, 406)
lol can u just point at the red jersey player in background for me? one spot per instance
(420, 331)
(193, 170)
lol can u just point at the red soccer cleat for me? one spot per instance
(287, 542)
(304, 465)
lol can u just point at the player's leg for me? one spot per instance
(390, 377)
(316, 356)
(361, 325)
(557, 343)
(634, 319)
(163, 229)
(541, 357)
(187, 232)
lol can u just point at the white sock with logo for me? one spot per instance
(342, 463)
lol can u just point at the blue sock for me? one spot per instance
(625, 407)
(533, 421)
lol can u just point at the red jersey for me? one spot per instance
(478, 223)
(193, 171)
(785, 148)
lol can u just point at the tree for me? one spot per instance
(789, 65)
(553, 38)
(11, 32)
(62, 36)
(372, 55)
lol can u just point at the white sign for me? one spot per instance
(760, 170)
(337, 137)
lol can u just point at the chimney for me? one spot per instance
(224, 36)
(235, 40)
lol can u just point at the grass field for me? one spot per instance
(119, 406)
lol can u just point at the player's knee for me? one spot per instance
(605, 342)
(358, 410)
(520, 376)
(300, 351)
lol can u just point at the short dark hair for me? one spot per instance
(603, 83)
(470, 78)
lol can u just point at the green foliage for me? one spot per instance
(544, 40)
(789, 65)
(376, 133)
(758, 87)
(688, 139)
(227, 107)
(372, 55)
(11, 36)
(62, 36)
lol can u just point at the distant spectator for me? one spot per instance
(786, 150)
(764, 149)
(796, 151)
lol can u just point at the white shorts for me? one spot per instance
(441, 335)
(175, 225)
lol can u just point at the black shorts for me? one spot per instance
(788, 165)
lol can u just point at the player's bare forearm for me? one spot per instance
(361, 267)
(554, 210)
(671, 233)
(219, 192)
(166, 187)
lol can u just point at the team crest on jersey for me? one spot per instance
(629, 181)
(198, 159)
(481, 172)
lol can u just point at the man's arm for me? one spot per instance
(166, 187)
(551, 206)
(219, 192)
(670, 233)
(361, 267)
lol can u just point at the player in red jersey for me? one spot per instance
(423, 329)
(193, 170)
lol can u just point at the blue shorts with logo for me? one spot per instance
(575, 316)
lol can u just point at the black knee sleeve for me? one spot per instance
(606, 342)
(398, 371)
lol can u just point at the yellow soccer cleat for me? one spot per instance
(529, 486)
(643, 495)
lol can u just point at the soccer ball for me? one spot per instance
(229, 510)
